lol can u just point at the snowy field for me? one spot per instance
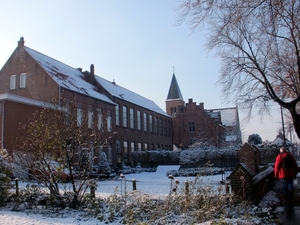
(155, 183)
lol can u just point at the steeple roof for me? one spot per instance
(174, 91)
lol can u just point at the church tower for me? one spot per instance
(174, 99)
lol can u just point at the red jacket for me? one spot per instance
(280, 172)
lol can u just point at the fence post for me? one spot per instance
(93, 185)
(227, 187)
(17, 187)
(134, 184)
(92, 191)
(186, 189)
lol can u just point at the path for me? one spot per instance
(289, 214)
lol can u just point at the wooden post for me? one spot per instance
(227, 187)
(134, 184)
(186, 187)
(17, 187)
(92, 191)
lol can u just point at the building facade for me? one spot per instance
(29, 80)
(195, 125)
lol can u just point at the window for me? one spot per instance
(12, 82)
(160, 126)
(109, 155)
(125, 145)
(146, 146)
(145, 122)
(191, 127)
(192, 141)
(165, 127)
(156, 125)
(90, 118)
(138, 115)
(132, 148)
(139, 147)
(118, 115)
(150, 124)
(109, 124)
(118, 147)
(23, 80)
(131, 111)
(169, 128)
(67, 112)
(124, 116)
(100, 119)
(79, 115)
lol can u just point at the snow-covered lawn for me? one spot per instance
(156, 184)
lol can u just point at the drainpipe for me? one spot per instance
(2, 125)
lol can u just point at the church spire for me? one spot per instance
(174, 91)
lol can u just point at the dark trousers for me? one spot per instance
(288, 186)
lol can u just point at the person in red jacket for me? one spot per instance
(286, 171)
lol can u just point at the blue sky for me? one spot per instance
(136, 43)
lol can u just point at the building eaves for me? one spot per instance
(24, 100)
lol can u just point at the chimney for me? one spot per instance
(21, 42)
(80, 69)
(92, 70)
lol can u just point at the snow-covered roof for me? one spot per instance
(72, 79)
(129, 96)
(260, 176)
(66, 76)
(228, 115)
(279, 141)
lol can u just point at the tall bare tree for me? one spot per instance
(258, 42)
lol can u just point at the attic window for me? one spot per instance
(12, 82)
(23, 80)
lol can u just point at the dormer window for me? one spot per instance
(12, 82)
(23, 80)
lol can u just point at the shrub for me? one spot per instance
(5, 173)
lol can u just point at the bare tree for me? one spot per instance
(258, 42)
(67, 133)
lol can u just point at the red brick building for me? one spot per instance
(192, 124)
(29, 79)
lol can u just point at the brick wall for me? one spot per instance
(250, 157)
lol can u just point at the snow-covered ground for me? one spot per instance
(154, 183)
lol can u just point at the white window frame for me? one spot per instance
(131, 112)
(90, 118)
(109, 122)
(132, 146)
(23, 80)
(138, 115)
(145, 122)
(117, 115)
(100, 119)
(79, 116)
(150, 123)
(124, 116)
(12, 82)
